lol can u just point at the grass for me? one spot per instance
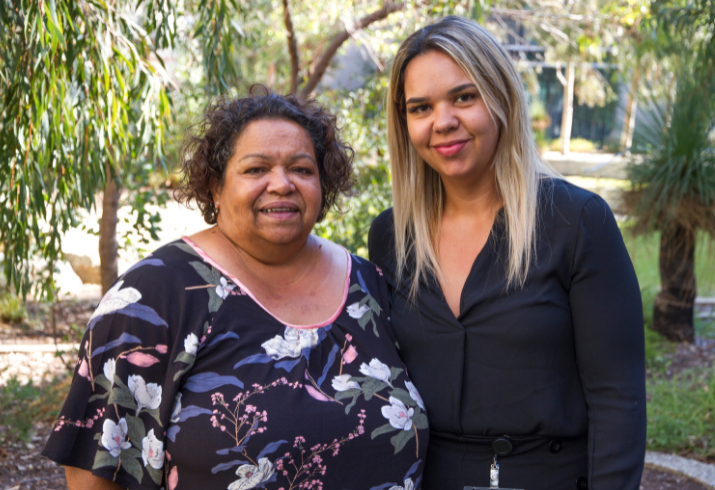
(681, 408)
(24, 405)
(12, 309)
(681, 414)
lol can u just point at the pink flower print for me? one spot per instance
(162, 348)
(83, 369)
(350, 355)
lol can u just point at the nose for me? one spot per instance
(280, 182)
(445, 119)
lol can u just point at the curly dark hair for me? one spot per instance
(209, 145)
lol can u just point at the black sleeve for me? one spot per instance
(608, 328)
(132, 358)
(379, 241)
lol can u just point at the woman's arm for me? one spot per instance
(608, 330)
(79, 479)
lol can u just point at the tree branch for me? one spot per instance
(292, 47)
(340, 38)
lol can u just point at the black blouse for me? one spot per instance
(561, 358)
(185, 381)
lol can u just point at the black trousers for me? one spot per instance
(535, 463)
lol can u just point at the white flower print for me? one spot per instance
(224, 289)
(409, 485)
(294, 340)
(191, 343)
(114, 436)
(376, 370)
(116, 299)
(152, 451)
(414, 394)
(110, 367)
(343, 383)
(398, 414)
(251, 477)
(357, 311)
(147, 395)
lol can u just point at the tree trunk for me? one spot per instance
(292, 47)
(327, 55)
(629, 120)
(567, 115)
(673, 308)
(108, 234)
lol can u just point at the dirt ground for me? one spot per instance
(22, 467)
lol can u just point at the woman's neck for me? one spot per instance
(281, 267)
(467, 199)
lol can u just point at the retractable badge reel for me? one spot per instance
(500, 447)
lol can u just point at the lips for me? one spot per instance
(280, 210)
(450, 148)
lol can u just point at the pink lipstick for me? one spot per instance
(450, 148)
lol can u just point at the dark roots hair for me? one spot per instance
(209, 144)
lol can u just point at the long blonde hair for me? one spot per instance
(418, 194)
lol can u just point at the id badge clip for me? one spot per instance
(500, 447)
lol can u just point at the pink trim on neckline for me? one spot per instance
(250, 294)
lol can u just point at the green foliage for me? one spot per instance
(83, 91)
(675, 183)
(23, 405)
(84, 97)
(12, 309)
(681, 414)
(361, 115)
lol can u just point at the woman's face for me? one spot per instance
(447, 119)
(271, 189)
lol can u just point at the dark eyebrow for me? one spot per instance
(266, 157)
(458, 88)
(300, 156)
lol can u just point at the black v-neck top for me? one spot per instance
(561, 358)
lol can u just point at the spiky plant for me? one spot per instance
(673, 188)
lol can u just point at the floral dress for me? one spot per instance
(185, 381)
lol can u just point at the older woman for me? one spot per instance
(514, 302)
(252, 354)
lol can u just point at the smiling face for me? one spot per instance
(447, 120)
(270, 193)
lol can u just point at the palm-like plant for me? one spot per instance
(673, 189)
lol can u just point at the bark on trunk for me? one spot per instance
(108, 234)
(292, 47)
(327, 55)
(629, 121)
(673, 308)
(567, 115)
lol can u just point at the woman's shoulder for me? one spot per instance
(382, 238)
(168, 262)
(563, 202)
